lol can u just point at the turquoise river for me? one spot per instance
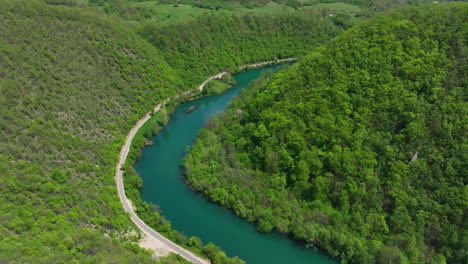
(160, 167)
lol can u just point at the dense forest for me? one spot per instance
(76, 74)
(126, 7)
(218, 42)
(73, 82)
(360, 148)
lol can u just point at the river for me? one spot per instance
(160, 167)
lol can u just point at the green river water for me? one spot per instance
(160, 167)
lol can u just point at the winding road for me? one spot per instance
(171, 246)
(148, 231)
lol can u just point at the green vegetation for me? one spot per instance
(170, 12)
(200, 41)
(360, 148)
(155, 12)
(200, 38)
(215, 43)
(173, 259)
(214, 87)
(151, 11)
(72, 83)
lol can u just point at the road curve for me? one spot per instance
(128, 208)
(123, 157)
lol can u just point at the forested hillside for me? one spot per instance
(214, 43)
(73, 81)
(199, 38)
(360, 148)
(71, 85)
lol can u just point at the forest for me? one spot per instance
(75, 75)
(360, 148)
(58, 144)
(73, 82)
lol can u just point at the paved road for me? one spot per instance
(128, 208)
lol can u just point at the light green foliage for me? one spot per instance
(170, 12)
(81, 3)
(215, 87)
(214, 43)
(155, 12)
(323, 149)
(173, 259)
(72, 83)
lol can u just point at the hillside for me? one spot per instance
(71, 85)
(218, 42)
(167, 11)
(202, 37)
(73, 81)
(360, 148)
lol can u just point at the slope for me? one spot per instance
(360, 148)
(71, 85)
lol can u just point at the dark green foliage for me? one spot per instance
(323, 150)
(214, 43)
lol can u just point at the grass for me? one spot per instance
(270, 8)
(168, 13)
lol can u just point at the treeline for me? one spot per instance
(213, 43)
(358, 149)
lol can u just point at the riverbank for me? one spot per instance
(160, 167)
(151, 239)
